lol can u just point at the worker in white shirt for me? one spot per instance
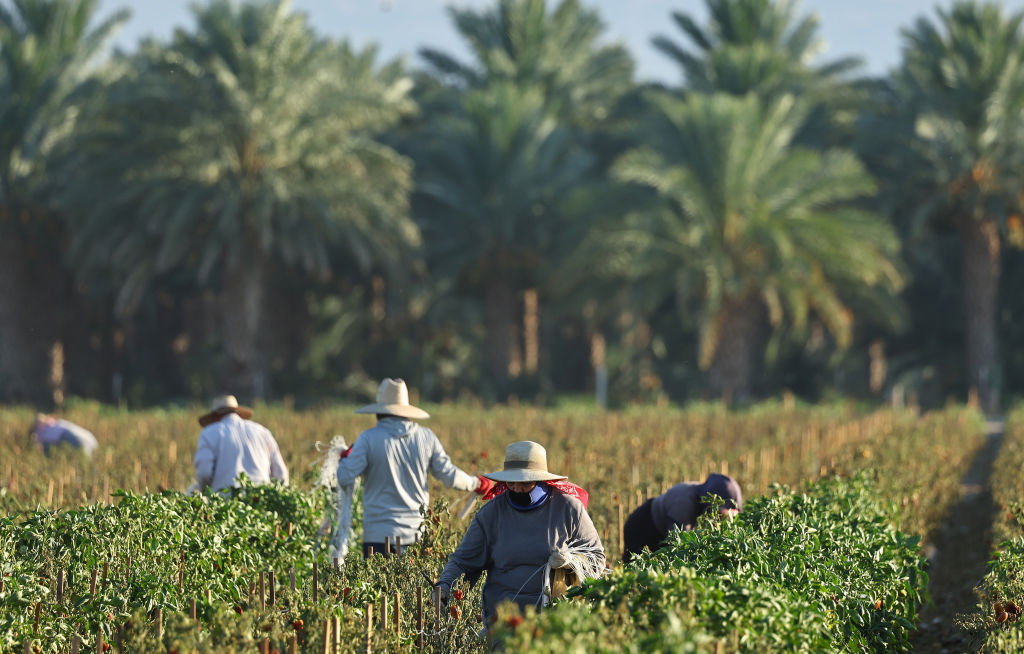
(230, 444)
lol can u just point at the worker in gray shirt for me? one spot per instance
(679, 506)
(535, 524)
(394, 458)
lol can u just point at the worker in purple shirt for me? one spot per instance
(52, 432)
(679, 506)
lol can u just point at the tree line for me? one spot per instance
(250, 205)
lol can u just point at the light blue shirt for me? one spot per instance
(394, 458)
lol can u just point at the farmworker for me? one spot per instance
(51, 432)
(394, 458)
(679, 506)
(536, 523)
(230, 444)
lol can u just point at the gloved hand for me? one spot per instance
(345, 453)
(485, 485)
(561, 558)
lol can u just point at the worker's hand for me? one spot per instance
(345, 453)
(561, 558)
(485, 485)
(445, 592)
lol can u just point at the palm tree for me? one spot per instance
(766, 47)
(46, 47)
(540, 92)
(556, 50)
(961, 93)
(496, 186)
(760, 231)
(244, 146)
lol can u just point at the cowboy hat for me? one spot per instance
(221, 405)
(524, 461)
(393, 400)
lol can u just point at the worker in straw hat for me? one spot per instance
(537, 522)
(394, 458)
(230, 444)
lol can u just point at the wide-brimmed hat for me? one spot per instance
(221, 405)
(393, 400)
(524, 461)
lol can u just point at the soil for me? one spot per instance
(958, 552)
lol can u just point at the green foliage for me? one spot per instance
(809, 571)
(745, 222)
(249, 139)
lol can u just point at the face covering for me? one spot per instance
(519, 499)
(531, 500)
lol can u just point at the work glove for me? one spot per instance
(345, 453)
(445, 592)
(562, 558)
(485, 485)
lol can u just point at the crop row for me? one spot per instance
(152, 551)
(993, 622)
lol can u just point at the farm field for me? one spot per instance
(146, 567)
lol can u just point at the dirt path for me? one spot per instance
(958, 552)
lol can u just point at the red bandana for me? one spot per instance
(563, 486)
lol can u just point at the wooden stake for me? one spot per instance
(293, 644)
(38, 610)
(192, 609)
(437, 608)
(291, 578)
(316, 588)
(327, 637)
(158, 619)
(263, 592)
(622, 537)
(336, 637)
(398, 544)
(106, 571)
(387, 545)
(384, 611)
(398, 612)
(273, 588)
(99, 640)
(92, 582)
(76, 643)
(419, 617)
(60, 586)
(369, 625)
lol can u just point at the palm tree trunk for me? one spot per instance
(29, 326)
(981, 251)
(242, 303)
(504, 353)
(740, 345)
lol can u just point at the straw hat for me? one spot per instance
(393, 400)
(524, 461)
(221, 405)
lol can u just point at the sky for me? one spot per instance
(868, 29)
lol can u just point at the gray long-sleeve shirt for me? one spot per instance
(394, 458)
(513, 546)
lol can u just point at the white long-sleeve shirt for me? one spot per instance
(234, 445)
(394, 458)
